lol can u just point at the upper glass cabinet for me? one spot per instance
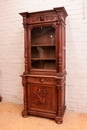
(43, 49)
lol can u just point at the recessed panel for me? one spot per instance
(43, 97)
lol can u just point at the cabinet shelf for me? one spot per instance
(43, 45)
(43, 58)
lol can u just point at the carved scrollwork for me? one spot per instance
(43, 18)
(51, 17)
(34, 19)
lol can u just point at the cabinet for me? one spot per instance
(44, 77)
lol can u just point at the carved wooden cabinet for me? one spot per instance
(45, 63)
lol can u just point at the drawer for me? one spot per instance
(42, 80)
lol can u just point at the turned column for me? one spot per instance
(25, 25)
(25, 98)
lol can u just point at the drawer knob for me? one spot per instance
(41, 80)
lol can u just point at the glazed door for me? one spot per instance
(43, 48)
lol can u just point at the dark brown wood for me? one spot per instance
(44, 77)
(0, 98)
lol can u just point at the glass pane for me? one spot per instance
(43, 52)
(43, 35)
(43, 64)
(43, 48)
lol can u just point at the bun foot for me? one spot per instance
(58, 120)
(25, 114)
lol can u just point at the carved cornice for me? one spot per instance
(57, 14)
(51, 17)
(61, 9)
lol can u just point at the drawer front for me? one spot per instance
(42, 80)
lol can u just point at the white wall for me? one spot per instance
(12, 49)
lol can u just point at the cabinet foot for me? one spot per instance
(59, 120)
(25, 114)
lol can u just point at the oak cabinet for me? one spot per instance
(44, 77)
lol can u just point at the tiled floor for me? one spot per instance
(11, 119)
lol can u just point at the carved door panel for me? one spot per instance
(42, 97)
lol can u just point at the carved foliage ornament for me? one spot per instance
(42, 97)
(43, 18)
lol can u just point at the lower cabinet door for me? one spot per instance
(42, 98)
